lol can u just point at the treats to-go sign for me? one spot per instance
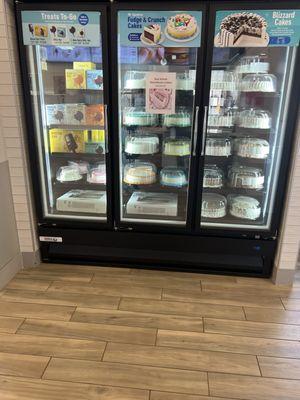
(64, 28)
(160, 92)
(257, 28)
(154, 28)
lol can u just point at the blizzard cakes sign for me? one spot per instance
(61, 28)
(257, 28)
(155, 28)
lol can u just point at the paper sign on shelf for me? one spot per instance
(61, 28)
(257, 28)
(160, 28)
(160, 92)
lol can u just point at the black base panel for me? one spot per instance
(170, 252)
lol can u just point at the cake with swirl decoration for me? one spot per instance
(235, 26)
(182, 26)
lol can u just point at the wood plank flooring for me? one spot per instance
(104, 333)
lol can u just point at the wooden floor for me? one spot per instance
(90, 333)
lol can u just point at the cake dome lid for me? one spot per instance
(172, 172)
(212, 171)
(257, 113)
(218, 141)
(68, 172)
(264, 78)
(244, 201)
(237, 169)
(141, 166)
(212, 201)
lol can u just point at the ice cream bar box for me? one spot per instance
(97, 135)
(67, 54)
(83, 65)
(162, 204)
(94, 79)
(96, 54)
(75, 79)
(66, 141)
(94, 114)
(76, 114)
(95, 147)
(56, 114)
(88, 201)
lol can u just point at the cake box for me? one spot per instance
(82, 201)
(96, 54)
(75, 79)
(76, 114)
(56, 114)
(95, 147)
(66, 141)
(67, 54)
(94, 114)
(163, 204)
(84, 65)
(94, 79)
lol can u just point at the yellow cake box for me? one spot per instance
(67, 141)
(75, 79)
(98, 135)
(85, 65)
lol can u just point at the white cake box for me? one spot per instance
(164, 204)
(82, 201)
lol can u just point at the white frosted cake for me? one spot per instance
(140, 173)
(141, 144)
(258, 119)
(173, 176)
(237, 25)
(259, 83)
(133, 116)
(253, 65)
(252, 148)
(213, 205)
(135, 80)
(245, 177)
(244, 207)
(177, 147)
(219, 147)
(182, 119)
(221, 120)
(181, 26)
(212, 177)
(68, 173)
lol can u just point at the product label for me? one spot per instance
(154, 28)
(61, 28)
(257, 28)
(53, 239)
(160, 92)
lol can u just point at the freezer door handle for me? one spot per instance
(105, 128)
(195, 136)
(204, 128)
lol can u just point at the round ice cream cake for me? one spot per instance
(252, 148)
(173, 176)
(140, 173)
(213, 205)
(181, 119)
(68, 173)
(97, 174)
(177, 147)
(181, 26)
(258, 119)
(219, 147)
(244, 207)
(212, 177)
(141, 144)
(245, 177)
(138, 116)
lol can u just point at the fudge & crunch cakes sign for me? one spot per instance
(155, 28)
(257, 28)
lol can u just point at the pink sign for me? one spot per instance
(160, 92)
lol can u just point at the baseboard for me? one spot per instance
(9, 270)
(31, 258)
(283, 276)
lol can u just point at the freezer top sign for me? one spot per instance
(63, 28)
(160, 28)
(257, 28)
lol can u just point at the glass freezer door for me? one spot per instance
(65, 64)
(251, 76)
(157, 58)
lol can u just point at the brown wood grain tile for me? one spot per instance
(64, 268)
(125, 375)
(78, 330)
(179, 396)
(144, 320)
(12, 388)
(229, 343)
(182, 308)
(108, 290)
(253, 388)
(22, 365)
(252, 329)
(51, 346)
(222, 298)
(29, 310)
(273, 367)
(271, 315)
(55, 276)
(29, 284)
(10, 324)
(61, 298)
(291, 304)
(182, 359)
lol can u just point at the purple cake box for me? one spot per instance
(68, 54)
